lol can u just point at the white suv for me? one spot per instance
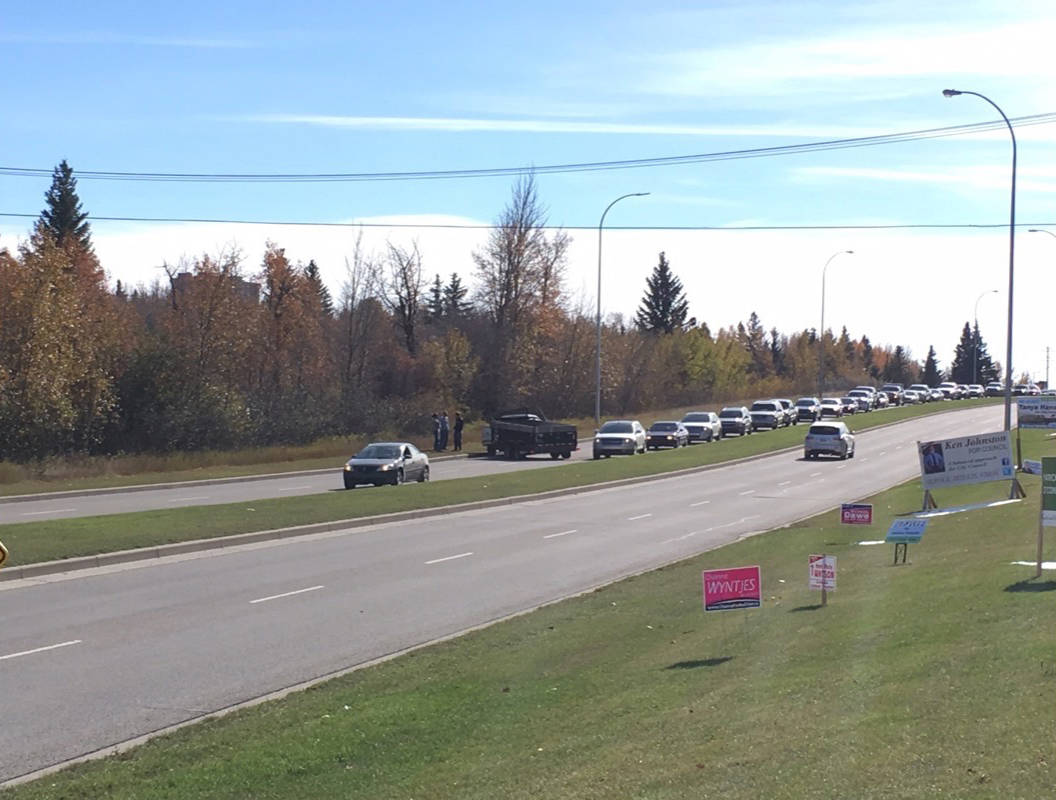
(833, 438)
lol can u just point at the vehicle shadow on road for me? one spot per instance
(702, 662)
(1032, 585)
(813, 607)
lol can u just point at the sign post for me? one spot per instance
(821, 574)
(904, 531)
(1048, 504)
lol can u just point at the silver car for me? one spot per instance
(619, 437)
(703, 426)
(831, 438)
(386, 462)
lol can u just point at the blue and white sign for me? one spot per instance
(966, 459)
(906, 530)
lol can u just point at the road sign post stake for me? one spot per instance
(901, 548)
(929, 501)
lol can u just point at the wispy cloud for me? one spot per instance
(1029, 180)
(104, 38)
(468, 125)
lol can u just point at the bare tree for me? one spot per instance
(403, 291)
(360, 312)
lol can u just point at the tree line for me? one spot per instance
(224, 354)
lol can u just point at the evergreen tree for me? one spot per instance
(963, 357)
(63, 219)
(434, 304)
(987, 370)
(931, 375)
(315, 281)
(777, 352)
(899, 369)
(664, 306)
(455, 303)
(753, 340)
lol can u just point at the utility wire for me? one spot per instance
(590, 166)
(485, 227)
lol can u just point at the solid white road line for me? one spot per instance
(701, 503)
(53, 511)
(680, 538)
(285, 594)
(640, 516)
(185, 499)
(555, 535)
(40, 649)
(449, 558)
(884, 453)
(784, 483)
(750, 491)
(815, 474)
(294, 488)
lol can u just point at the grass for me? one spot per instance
(32, 542)
(97, 472)
(929, 679)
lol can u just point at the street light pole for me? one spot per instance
(821, 333)
(975, 336)
(1011, 252)
(597, 358)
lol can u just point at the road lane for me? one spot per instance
(167, 641)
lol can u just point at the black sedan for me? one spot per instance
(666, 434)
(386, 462)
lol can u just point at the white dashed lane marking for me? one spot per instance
(40, 649)
(640, 516)
(700, 503)
(555, 535)
(749, 491)
(285, 594)
(448, 558)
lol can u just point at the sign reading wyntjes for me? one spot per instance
(967, 459)
(1048, 492)
(727, 589)
(1036, 412)
(856, 514)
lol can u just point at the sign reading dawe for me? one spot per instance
(856, 514)
(738, 587)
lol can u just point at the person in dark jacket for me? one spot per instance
(436, 431)
(459, 425)
(444, 430)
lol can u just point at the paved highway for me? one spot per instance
(93, 658)
(59, 505)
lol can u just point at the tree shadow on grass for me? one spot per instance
(814, 607)
(702, 662)
(1032, 585)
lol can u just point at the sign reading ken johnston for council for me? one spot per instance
(966, 459)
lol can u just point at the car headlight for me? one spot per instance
(385, 467)
(348, 467)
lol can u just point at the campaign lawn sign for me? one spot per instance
(966, 459)
(1048, 492)
(856, 514)
(821, 571)
(1036, 412)
(727, 589)
(1031, 467)
(906, 530)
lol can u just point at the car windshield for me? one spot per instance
(858, 393)
(824, 430)
(727, 413)
(379, 451)
(616, 427)
(702, 417)
(830, 401)
(804, 402)
(663, 426)
(764, 407)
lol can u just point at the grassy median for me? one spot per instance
(930, 679)
(33, 542)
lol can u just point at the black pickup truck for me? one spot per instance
(521, 433)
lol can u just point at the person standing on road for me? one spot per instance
(436, 431)
(459, 424)
(445, 427)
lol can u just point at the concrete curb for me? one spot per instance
(149, 487)
(13, 573)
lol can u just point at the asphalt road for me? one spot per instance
(93, 658)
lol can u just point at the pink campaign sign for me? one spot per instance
(726, 589)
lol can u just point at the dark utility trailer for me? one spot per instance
(521, 433)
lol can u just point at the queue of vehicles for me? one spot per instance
(521, 433)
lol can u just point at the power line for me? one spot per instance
(590, 166)
(483, 226)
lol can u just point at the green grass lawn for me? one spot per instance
(138, 470)
(32, 542)
(935, 678)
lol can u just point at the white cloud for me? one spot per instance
(983, 177)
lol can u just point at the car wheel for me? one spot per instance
(851, 454)
(423, 475)
(566, 455)
(597, 456)
(397, 478)
(350, 484)
(843, 456)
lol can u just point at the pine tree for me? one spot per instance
(664, 306)
(777, 352)
(931, 374)
(963, 357)
(986, 369)
(63, 219)
(315, 281)
(899, 369)
(455, 303)
(434, 304)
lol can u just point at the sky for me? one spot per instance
(329, 87)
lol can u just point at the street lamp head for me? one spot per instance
(950, 92)
(849, 252)
(640, 194)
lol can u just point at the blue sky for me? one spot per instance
(334, 87)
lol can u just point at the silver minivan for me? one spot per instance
(829, 438)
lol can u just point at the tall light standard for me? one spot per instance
(821, 332)
(1041, 230)
(975, 336)
(597, 358)
(1011, 252)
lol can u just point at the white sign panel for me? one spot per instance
(1036, 412)
(967, 459)
(822, 572)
